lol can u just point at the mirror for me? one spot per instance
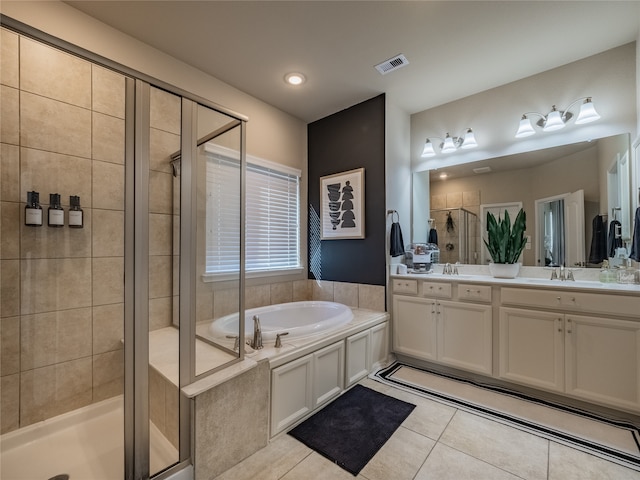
(585, 179)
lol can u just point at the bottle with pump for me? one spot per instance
(76, 219)
(55, 211)
(33, 210)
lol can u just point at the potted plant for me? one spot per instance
(505, 243)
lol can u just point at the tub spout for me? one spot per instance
(257, 333)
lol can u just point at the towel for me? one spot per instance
(433, 236)
(598, 250)
(396, 241)
(635, 239)
(614, 242)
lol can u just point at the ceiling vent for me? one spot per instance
(482, 170)
(392, 64)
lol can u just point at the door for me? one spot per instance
(414, 326)
(574, 229)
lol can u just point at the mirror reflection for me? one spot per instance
(577, 199)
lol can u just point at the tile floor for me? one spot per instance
(437, 442)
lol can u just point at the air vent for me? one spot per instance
(392, 64)
(482, 170)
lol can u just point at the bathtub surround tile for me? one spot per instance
(515, 451)
(225, 302)
(157, 398)
(10, 220)
(160, 192)
(55, 337)
(257, 296)
(160, 312)
(302, 290)
(108, 233)
(454, 200)
(172, 414)
(107, 138)
(49, 391)
(47, 172)
(10, 287)
(54, 74)
(471, 199)
(446, 463)
(217, 414)
(9, 403)
(162, 146)
(9, 58)
(371, 297)
(108, 185)
(108, 91)
(9, 115)
(160, 234)
(438, 201)
(165, 111)
(281, 292)
(56, 242)
(346, 293)
(322, 290)
(108, 280)
(175, 222)
(160, 276)
(10, 178)
(108, 327)
(9, 345)
(54, 126)
(108, 375)
(567, 463)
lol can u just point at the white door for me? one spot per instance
(574, 229)
(497, 209)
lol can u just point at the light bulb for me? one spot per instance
(525, 129)
(428, 150)
(554, 121)
(469, 140)
(448, 146)
(587, 113)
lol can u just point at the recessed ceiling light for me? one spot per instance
(443, 175)
(294, 78)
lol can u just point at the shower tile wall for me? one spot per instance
(453, 200)
(61, 314)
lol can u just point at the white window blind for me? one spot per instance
(272, 222)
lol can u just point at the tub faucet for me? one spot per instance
(257, 334)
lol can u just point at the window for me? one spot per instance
(272, 222)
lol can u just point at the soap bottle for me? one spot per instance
(55, 211)
(606, 274)
(76, 219)
(33, 210)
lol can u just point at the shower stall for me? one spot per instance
(458, 232)
(98, 314)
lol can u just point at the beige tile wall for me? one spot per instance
(62, 310)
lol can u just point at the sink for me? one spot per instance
(562, 283)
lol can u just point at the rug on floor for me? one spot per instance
(617, 441)
(351, 429)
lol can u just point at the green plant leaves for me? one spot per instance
(505, 244)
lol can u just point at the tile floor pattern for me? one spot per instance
(437, 442)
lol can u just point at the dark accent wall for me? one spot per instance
(350, 139)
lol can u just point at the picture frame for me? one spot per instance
(342, 205)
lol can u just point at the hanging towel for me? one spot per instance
(396, 241)
(635, 239)
(614, 242)
(433, 236)
(598, 250)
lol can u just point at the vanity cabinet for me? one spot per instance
(592, 357)
(414, 327)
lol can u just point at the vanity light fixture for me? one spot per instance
(450, 144)
(557, 119)
(295, 78)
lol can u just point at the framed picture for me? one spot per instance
(342, 205)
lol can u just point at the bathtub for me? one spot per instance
(300, 319)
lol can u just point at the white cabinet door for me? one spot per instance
(602, 359)
(532, 348)
(358, 353)
(414, 326)
(328, 373)
(465, 336)
(291, 390)
(379, 346)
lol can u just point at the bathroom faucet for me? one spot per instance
(447, 270)
(257, 334)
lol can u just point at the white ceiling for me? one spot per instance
(454, 48)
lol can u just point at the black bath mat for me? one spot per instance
(351, 429)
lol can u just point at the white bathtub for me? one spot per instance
(300, 319)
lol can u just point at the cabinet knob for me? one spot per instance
(558, 299)
(468, 290)
(559, 329)
(439, 288)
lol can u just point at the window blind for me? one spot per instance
(272, 222)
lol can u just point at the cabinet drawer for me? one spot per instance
(478, 293)
(574, 301)
(400, 285)
(436, 289)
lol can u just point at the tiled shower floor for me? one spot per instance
(437, 442)
(86, 444)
